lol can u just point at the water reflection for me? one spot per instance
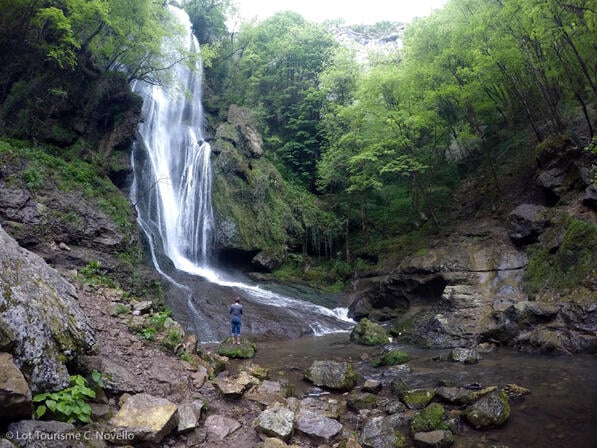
(560, 411)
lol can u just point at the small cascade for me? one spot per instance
(172, 194)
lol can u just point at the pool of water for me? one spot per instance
(560, 411)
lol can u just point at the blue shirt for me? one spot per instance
(236, 310)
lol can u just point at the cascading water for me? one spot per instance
(172, 193)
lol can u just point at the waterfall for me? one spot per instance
(172, 193)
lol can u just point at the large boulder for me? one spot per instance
(367, 332)
(491, 410)
(40, 313)
(317, 426)
(235, 386)
(144, 418)
(382, 431)
(332, 374)
(15, 394)
(277, 421)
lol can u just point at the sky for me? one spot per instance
(352, 11)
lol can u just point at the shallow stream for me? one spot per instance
(560, 411)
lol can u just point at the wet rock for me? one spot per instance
(219, 427)
(372, 386)
(15, 395)
(382, 432)
(317, 426)
(367, 332)
(276, 422)
(514, 391)
(361, 400)
(117, 379)
(417, 398)
(527, 222)
(541, 339)
(392, 358)
(491, 410)
(391, 406)
(435, 439)
(40, 313)
(267, 393)
(461, 395)
(255, 370)
(144, 418)
(234, 387)
(464, 355)
(332, 374)
(245, 349)
(429, 419)
(53, 434)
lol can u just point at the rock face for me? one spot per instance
(332, 374)
(41, 317)
(563, 166)
(144, 418)
(15, 394)
(257, 216)
(447, 297)
(527, 222)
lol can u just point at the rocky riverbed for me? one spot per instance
(161, 388)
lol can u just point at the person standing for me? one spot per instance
(236, 312)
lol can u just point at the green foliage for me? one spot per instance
(69, 404)
(93, 273)
(32, 178)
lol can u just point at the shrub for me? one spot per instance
(69, 404)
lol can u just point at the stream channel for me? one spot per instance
(559, 412)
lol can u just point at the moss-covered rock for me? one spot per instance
(245, 349)
(491, 410)
(367, 332)
(429, 419)
(565, 255)
(332, 374)
(392, 358)
(361, 400)
(417, 398)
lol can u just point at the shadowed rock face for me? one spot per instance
(39, 310)
(454, 288)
